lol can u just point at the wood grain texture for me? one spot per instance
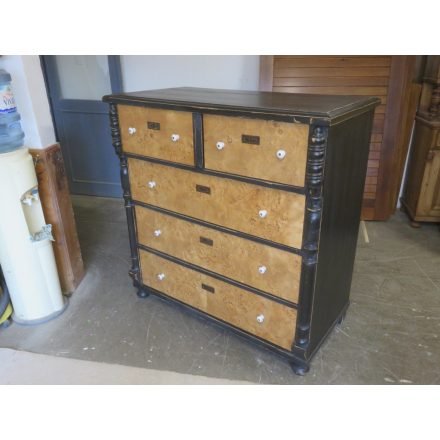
(429, 202)
(231, 204)
(228, 255)
(157, 143)
(58, 211)
(258, 161)
(387, 77)
(228, 303)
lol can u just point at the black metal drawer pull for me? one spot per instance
(206, 241)
(203, 189)
(248, 139)
(209, 289)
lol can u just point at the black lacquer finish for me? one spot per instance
(339, 135)
(129, 205)
(312, 224)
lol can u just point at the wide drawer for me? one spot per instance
(268, 150)
(162, 134)
(255, 314)
(263, 212)
(269, 269)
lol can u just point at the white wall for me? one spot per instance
(31, 98)
(216, 71)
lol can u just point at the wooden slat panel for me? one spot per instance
(332, 61)
(368, 203)
(224, 301)
(329, 72)
(371, 180)
(375, 146)
(341, 90)
(376, 137)
(374, 155)
(370, 188)
(372, 171)
(368, 195)
(373, 164)
(231, 256)
(358, 81)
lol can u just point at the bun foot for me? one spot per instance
(141, 293)
(299, 369)
(414, 224)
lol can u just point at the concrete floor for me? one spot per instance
(390, 335)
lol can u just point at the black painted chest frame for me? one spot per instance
(313, 311)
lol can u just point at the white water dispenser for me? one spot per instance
(26, 254)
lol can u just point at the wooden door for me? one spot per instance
(387, 77)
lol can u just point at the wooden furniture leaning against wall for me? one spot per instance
(391, 78)
(421, 195)
(57, 208)
(245, 206)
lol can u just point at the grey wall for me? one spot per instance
(216, 71)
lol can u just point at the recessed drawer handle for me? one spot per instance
(175, 137)
(206, 241)
(203, 189)
(209, 289)
(151, 184)
(262, 213)
(157, 232)
(281, 154)
(220, 145)
(248, 139)
(260, 319)
(131, 130)
(161, 276)
(153, 125)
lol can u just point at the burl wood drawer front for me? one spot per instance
(257, 315)
(162, 134)
(268, 150)
(263, 212)
(266, 268)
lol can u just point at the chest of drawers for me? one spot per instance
(245, 206)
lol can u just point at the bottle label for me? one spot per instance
(7, 101)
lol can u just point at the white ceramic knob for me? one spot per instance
(131, 130)
(175, 137)
(262, 213)
(157, 232)
(220, 145)
(262, 269)
(260, 319)
(161, 276)
(151, 184)
(281, 154)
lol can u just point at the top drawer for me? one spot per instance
(267, 150)
(162, 134)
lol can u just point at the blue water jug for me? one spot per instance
(11, 134)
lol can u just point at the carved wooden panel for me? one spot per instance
(272, 214)
(154, 129)
(255, 314)
(266, 268)
(279, 155)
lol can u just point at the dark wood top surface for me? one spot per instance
(318, 106)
